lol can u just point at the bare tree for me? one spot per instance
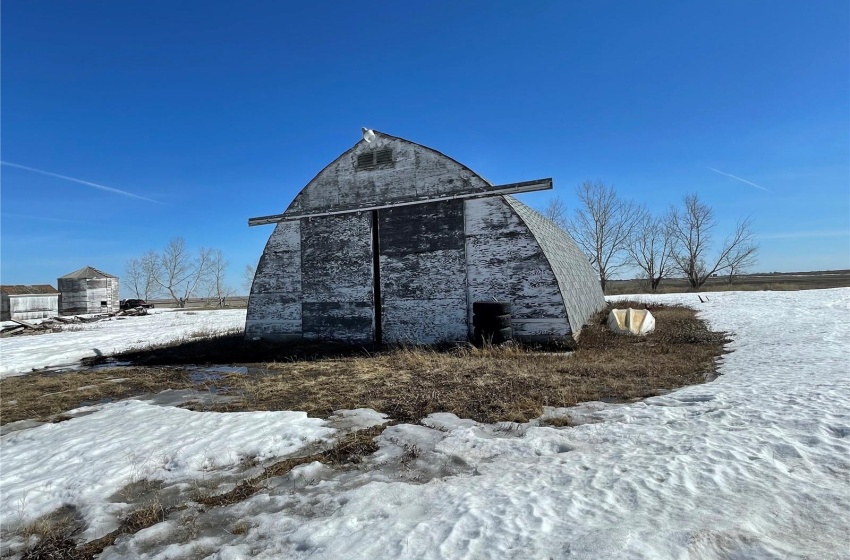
(692, 230)
(603, 226)
(650, 247)
(742, 256)
(179, 273)
(214, 281)
(141, 275)
(556, 211)
(248, 277)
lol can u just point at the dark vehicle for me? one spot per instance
(134, 303)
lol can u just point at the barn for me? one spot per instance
(23, 302)
(393, 242)
(88, 290)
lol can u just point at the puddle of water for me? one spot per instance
(180, 397)
(19, 425)
(93, 402)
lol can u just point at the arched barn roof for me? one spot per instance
(576, 278)
(340, 187)
(395, 242)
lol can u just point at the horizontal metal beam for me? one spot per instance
(498, 190)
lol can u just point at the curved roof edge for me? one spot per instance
(577, 281)
(362, 142)
(439, 153)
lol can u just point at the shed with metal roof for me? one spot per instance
(87, 291)
(393, 242)
(22, 302)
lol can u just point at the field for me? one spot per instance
(746, 282)
(752, 464)
(817, 280)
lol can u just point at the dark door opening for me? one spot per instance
(376, 277)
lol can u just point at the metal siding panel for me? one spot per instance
(35, 306)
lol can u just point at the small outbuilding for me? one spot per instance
(393, 242)
(22, 302)
(88, 290)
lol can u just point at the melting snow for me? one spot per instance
(22, 354)
(755, 464)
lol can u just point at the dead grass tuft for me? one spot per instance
(349, 449)
(505, 383)
(45, 396)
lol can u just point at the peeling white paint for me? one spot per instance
(316, 276)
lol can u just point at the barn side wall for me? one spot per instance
(274, 308)
(31, 306)
(80, 296)
(505, 262)
(577, 280)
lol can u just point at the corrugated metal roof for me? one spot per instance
(23, 289)
(577, 280)
(88, 272)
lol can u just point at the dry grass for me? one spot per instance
(45, 396)
(507, 383)
(54, 537)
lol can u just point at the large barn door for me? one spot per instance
(421, 273)
(336, 277)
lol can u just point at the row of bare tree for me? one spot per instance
(179, 273)
(616, 233)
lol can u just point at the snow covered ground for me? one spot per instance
(755, 464)
(21, 354)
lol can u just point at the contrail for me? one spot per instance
(95, 185)
(738, 178)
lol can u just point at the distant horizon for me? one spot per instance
(125, 124)
(611, 280)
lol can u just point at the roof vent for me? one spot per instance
(375, 159)
(383, 157)
(366, 159)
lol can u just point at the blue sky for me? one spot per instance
(220, 111)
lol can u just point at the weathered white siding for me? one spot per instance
(505, 263)
(423, 273)
(336, 278)
(88, 295)
(577, 281)
(416, 173)
(30, 306)
(274, 308)
(353, 226)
